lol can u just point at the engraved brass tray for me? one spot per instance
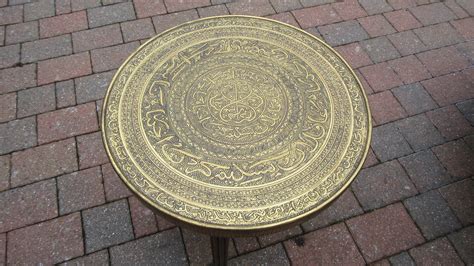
(236, 125)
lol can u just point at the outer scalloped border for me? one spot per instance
(230, 230)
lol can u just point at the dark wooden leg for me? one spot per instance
(220, 247)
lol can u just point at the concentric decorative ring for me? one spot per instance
(236, 124)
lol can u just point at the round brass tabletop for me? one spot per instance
(236, 125)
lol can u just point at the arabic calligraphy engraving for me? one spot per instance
(236, 105)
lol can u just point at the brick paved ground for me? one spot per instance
(412, 202)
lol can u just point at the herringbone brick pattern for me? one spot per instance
(61, 201)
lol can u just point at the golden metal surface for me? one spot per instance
(236, 124)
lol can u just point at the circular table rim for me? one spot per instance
(227, 229)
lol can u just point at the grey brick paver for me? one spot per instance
(165, 248)
(432, 214)
(308, 3)
(105, 15)
(382, 185)
(90, 88)
(36, 100)
(137, 29)
(198, 247)
(420, 132)
(273, 255)
(425, 170)
(375, 6)
(4, 172)
(388, 142)
(22, 32)
(11, 15)
(97, 258)
(380, 49)
(433, 13)
(164, 22)
(285, 5)
(430, 35)
(402, 259)
(459, 198)
(9, 55)
(65, 94)
(73, 187)
(463, 241)
(107, 225)
(39, 9)
(414, 98)
(46, 48)
(467, 109)
(343, 33)
(84, 4)
(17, 135)
(437, 252)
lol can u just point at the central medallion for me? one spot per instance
(236, 105)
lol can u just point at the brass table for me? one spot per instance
(236, 126)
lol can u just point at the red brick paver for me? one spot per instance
(17, 78)
(381, 77)
(63, 68)
(62, 202)
(73, 187)
(108, 58)
(451, 88)
(96, 38)
(338, 248)
(465, 27)
(38, 200)
(402, 20)
(385, 107)
(375, 241)
(67, 122)
(409, 69)
(143, 219)
(63, 24)
(376, 25)
(173, 6)
(344, 207)
(316, 16)
(286, 17)
(245, 245)
(349, 9)
(47, 243)
(443, 61)
(147, 8)
(114, 187)
(43, 162)
(355, 55)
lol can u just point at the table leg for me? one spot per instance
(220, 247)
